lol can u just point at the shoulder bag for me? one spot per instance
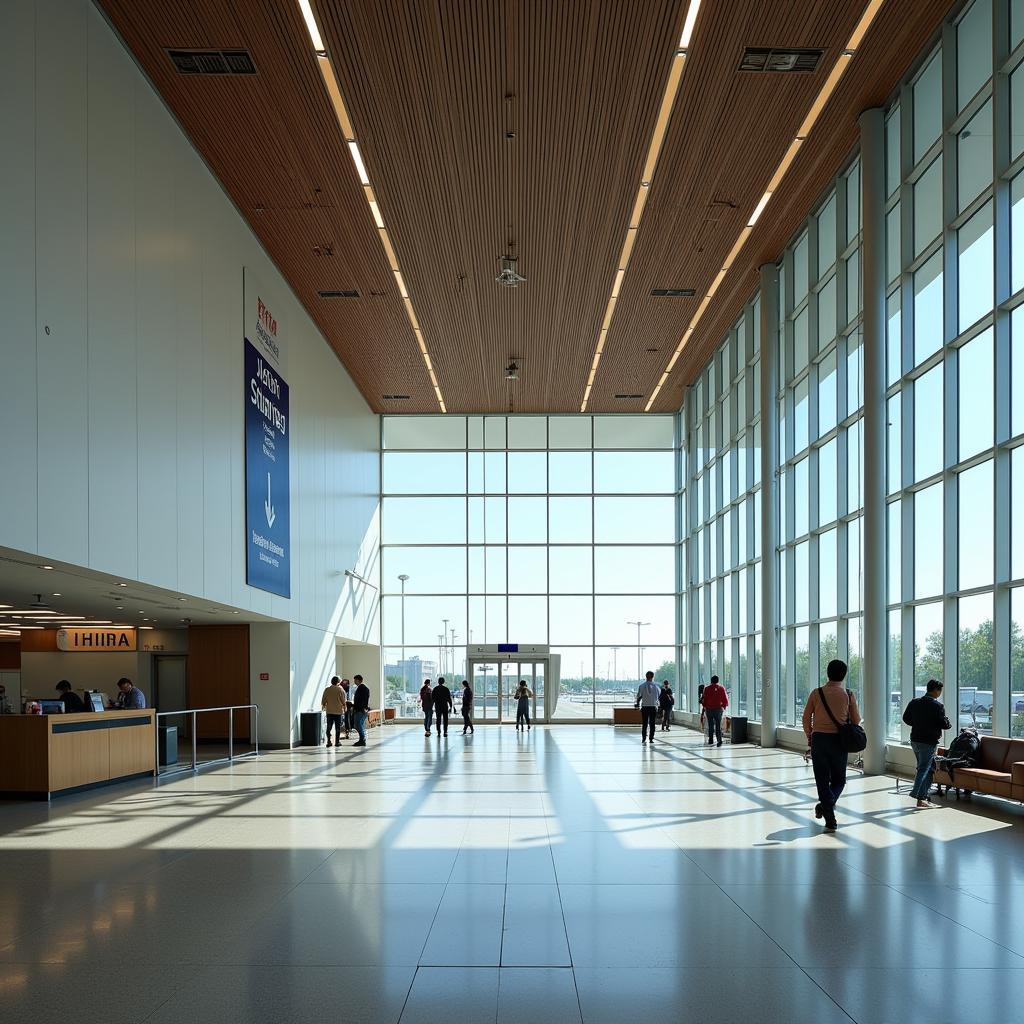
(852, 738)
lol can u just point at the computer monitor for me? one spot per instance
(96, 702)
(51, 707)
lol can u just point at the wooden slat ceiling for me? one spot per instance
(435, 89)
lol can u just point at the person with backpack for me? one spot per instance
(523, 697)
(714, 700)
(427, 703)
(667, 701)
(826, 708)
(927, 719)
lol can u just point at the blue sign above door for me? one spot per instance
(267, 491)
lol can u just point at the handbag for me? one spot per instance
(852, 738)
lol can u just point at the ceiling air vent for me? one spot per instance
(395, 398)
(629, 396)
(674, 293)
(212, 62)
(344, 294)
(774, 60)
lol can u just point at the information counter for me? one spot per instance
(47, 755)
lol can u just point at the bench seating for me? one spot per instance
(999, 772)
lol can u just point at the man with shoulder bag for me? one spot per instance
(832, 725)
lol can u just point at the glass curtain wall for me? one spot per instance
(820, 407)
(955, 373)
(557, 530)
(724, 517)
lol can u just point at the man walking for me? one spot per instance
(714, 700)
(427, 703)
(647, 700)
(442, 705)
(360, 709)
(333, 702)
(467, 707)
(927, 719)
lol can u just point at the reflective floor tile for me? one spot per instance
(661, 926)
(288, 995)
(537, 996)
(445, 995)
(534, 932)
(467, 929)
(46, 993)
(863, 926)
(660, 996)
(942, 995)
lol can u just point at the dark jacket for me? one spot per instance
(442, 697)
(666, 700)
(72, 702)
(467, 699)
(361, 700)
(926, 717)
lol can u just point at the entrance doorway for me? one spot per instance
(494, 681)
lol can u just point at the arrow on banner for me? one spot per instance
(268, 507)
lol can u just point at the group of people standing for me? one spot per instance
(347, 707)
(437, 701)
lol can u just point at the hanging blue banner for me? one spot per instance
(267, 492)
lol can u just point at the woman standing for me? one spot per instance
(523, 697)
(827, 707)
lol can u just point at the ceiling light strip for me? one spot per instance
(819, 104)
(657, 140)
(323, 61)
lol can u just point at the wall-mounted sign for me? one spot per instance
(267, 431)
(93, 640)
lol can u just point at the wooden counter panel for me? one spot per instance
(24, 767)
(49, 753)
(79, 759)
(132, 751)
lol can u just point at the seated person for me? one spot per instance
(130, 698)
(72, 702)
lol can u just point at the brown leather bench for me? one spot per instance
(999, 771)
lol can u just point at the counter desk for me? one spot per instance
(48, 755)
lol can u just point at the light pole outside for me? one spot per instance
(631, 622)
(405, 661)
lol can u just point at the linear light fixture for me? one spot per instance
(323, 61)
(668, 100)
(813, 113)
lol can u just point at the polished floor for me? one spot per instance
(568, 874)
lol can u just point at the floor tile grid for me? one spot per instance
(678, 746)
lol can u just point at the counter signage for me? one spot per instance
(93, 640)
(267, 493)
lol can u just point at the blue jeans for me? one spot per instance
(361, 717)
(428, 717)
(924, 752)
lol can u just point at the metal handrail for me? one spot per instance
(194, 766)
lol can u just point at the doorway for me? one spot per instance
(494, 683)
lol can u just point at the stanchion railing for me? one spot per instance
(191, 713)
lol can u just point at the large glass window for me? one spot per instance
(554, 530)
(820, 592)
(951, 604)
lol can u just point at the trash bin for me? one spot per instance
(167, 744)
(739, 729)
(311, 728)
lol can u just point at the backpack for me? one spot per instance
(966, 745)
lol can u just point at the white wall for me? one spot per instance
(121, 345)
